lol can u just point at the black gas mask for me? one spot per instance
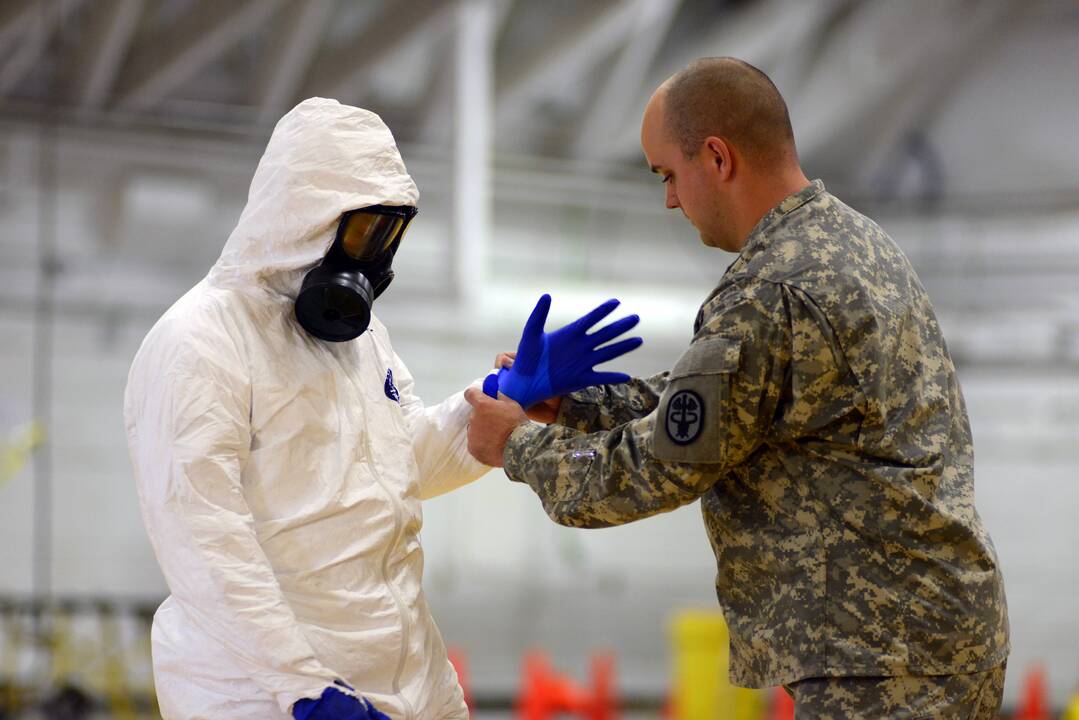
(336, 297)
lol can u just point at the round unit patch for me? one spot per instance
(685, 417)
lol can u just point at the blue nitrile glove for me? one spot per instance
(555, 363)
(336, 705)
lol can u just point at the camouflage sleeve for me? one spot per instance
(715, 411)
(605, 407)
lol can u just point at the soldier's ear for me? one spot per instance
(719, 155)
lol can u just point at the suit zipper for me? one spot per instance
(402, 608)
(398, 531)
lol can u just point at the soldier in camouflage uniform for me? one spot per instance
(817, 416)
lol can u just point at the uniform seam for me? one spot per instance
(835, 335)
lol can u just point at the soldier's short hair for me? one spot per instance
(729, 98)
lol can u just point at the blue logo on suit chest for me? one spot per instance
(391, 389)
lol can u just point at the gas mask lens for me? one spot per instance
(368, 236)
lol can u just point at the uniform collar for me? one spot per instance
(759, 237)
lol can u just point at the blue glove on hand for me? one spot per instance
(336, 705)
(555, 363)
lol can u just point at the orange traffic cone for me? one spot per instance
(545, 694)
(667, 711)
(460, 664)
(1034, 703)
(603, 705)
(782, 705)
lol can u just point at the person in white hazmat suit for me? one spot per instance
(280, 486)
(280, 475)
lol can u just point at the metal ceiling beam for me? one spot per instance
(163, 63)
(758, 33)
(474, 51)
(623, 84)
(943, 70)
(436, 109)
(16, 18)
(110, 32)
(593, 35)
(294, 43)
(339, 72)
(36, 25)
(436, 105)
(794, 62)
(854, 106)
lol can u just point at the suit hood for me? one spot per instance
(323, 159)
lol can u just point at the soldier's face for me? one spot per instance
(690, 183)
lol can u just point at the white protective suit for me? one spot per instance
(280, 482)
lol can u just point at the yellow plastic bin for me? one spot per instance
(702, 690)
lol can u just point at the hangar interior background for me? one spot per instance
(129, 130)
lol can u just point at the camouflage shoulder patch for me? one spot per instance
(690, 417)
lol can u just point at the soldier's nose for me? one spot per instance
(672, 198)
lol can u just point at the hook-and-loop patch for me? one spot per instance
(690, 418)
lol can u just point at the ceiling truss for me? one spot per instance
(588, 67)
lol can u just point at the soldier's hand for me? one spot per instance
(492, 423)
(505, 360)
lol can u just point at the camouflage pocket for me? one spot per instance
(691, 414)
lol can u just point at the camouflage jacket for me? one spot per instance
(818, 417)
